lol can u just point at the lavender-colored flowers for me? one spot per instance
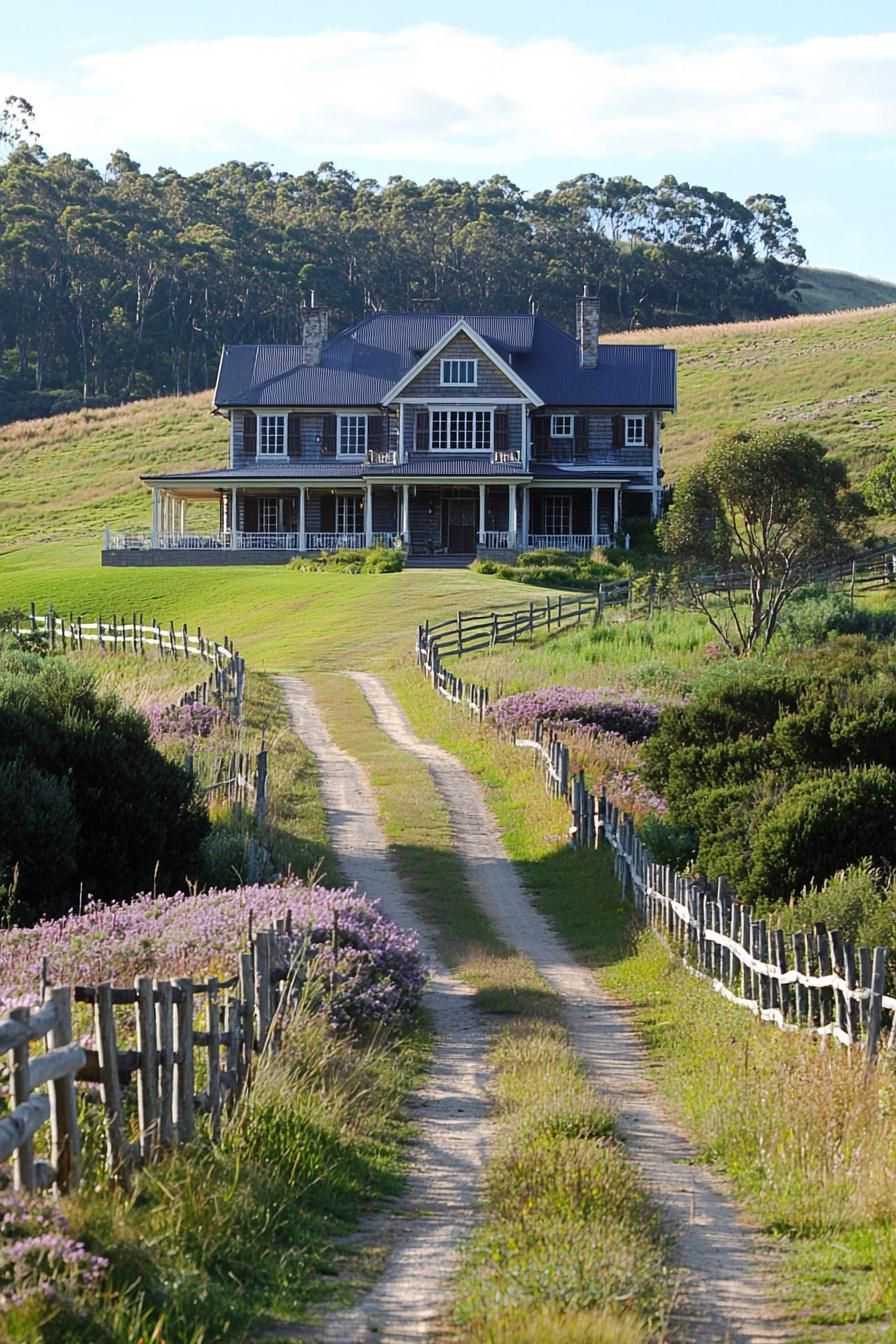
(370, 970)
(602, 710)
(183, 721)
(39, 1259)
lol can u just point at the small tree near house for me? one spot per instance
(761, 509)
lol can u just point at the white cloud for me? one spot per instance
(446, 97)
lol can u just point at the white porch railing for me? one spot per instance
(268, 541)
(334, 541)
(567, 541)
(495, 541)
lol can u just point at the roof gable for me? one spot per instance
(461, 327)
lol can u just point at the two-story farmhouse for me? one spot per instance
(449, 435)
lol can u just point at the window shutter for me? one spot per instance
(541, 433)
(580, 436)
(250, 515)
(294, 434)
(374, 433)
(250, 433)
(328, 513)
(328, 440)
(618, 431)
(421, 432)
(648, 431)
(502, 431)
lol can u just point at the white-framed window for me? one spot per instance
(558, 515)
(271, 436)
(562, 426)
(348, 514)
(635, 431)
(267, 514)
(461, 431)
(352, 438)
(459, 372)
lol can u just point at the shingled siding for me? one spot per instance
(385, 510)
(311, 439)
(514, 428)
(491, 381)
(600, 443)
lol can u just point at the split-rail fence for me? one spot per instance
(147, 1089)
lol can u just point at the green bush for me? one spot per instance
(668, 843)
(375, 560)
(223, 856)
(859, 901)
(814, 614)
(81, 782)
(555, 569)
(821, 825)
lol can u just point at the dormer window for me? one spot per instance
(635, 432)
(561, 426)
(459, 372)
(271, 436)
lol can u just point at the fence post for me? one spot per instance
(875, 1005)
(19, 1091)
(261, 784)
(148, 1079)
(185, 1116)
(110, 1091)
(165, 1049)
(213, 1028)
(66, 1136)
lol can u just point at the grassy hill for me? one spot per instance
(834, 374)
(831, 291)
(62, 478)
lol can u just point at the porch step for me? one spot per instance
(438, 561)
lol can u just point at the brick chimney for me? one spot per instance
(315, 322)
(588, 327)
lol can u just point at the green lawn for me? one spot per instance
(280, 619)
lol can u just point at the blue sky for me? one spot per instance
(791, 97)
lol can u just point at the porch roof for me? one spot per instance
(436, 464)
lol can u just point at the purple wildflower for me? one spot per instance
(602, 710)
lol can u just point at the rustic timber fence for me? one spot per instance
(820, 983)
(224, 686)
(232, 775)
(243, 1019)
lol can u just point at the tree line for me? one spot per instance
(124, 283)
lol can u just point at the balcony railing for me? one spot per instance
(508, 455)
(383, 456)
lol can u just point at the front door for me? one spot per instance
(461, 526)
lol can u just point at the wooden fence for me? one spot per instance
(232, 775)
(148, 1094)
(814, 980)
(817, 982)
(224, 685)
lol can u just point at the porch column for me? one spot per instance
(511, 516)
(655, 503)
(301, 517)
(524, 447)
(525, 538)
(616, 511)
(183, 517)
(368, 516)
(154, 519)
(233, 517)
(594, 516)
(482, 515)
(406, 515)
(401, 431)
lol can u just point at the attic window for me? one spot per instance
(459, 372)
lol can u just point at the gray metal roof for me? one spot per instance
(592, 471)
(361, 364)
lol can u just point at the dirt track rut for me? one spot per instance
(439, 1205)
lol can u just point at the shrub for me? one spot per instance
(555, 569)
(859, 901)
(375, 560)
(139, 818)
(668, 843)
(821, 825)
